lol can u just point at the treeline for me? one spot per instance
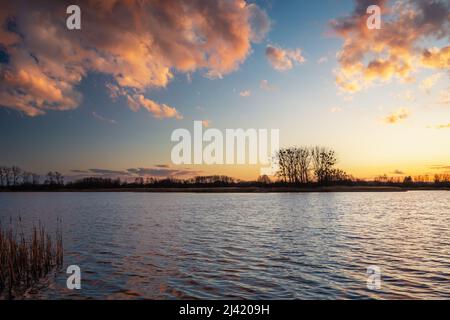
(441, 179)
(15, 177)
(298, 166)
(152, 182)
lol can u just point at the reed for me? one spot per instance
(25, 260)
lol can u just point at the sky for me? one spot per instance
(104, 100)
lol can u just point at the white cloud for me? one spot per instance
(245, 93)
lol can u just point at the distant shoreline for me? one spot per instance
(244, 189)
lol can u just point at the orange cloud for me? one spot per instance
(436, 58)
(283, 59)
(140, 44)
(206, 123)
(394, 50)
(159, 111)
(397, 116)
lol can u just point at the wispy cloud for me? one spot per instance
(79, 171)
(430, 82)
(245, 93)
(284, 59)
(441, 126)
(322, 60)
(101, 118)
(440, 167)
(163, 172)
(397, 116)
(266, 86)
(108, 172)
(335, 109)
(159, 111)
(444, 97)
(407, 95)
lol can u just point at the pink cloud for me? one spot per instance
(283, 59)
(140, 44)
(397, 49)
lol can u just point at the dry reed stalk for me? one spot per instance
(23, 262)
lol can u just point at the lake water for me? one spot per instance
(252, 246)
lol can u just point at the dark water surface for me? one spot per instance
(268, 246)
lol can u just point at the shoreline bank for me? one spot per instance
(244, 189)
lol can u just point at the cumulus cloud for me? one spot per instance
(140, 44)
(259, 21)
(397, 116)
(284, 59)
(394, 51)
(436, 58)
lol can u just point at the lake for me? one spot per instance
(245, 246)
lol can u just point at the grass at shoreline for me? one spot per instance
(25, 260)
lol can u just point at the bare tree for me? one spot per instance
(35, 178)
(294, 164)
(323, 162)
(7, 174)
(16, 172)
(264, 179)
(287, 162)
(303, 159)
(50, 178)
(59, 179)
(2, 176)
(26, 177)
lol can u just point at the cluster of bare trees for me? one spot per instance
(14, 176)
(442, 178)
(309, 164)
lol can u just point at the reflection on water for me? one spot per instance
(253, 246)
